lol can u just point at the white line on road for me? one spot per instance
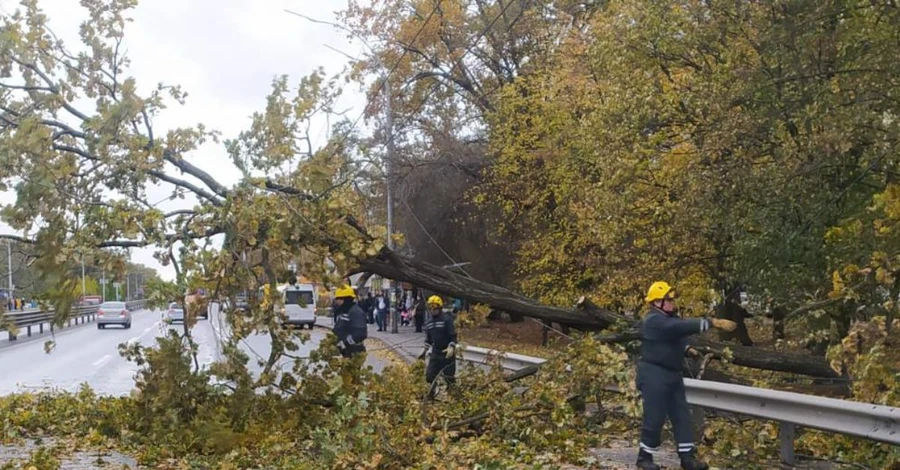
(139, 337)
(102, 360)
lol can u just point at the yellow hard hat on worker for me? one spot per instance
(344, 292)
(436, 301)
(659, 290)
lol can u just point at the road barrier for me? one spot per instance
(874, 422)
(37, 318)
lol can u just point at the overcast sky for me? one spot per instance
(224, 53)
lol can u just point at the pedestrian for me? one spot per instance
(419, 317)
(659, 377)
(440, 345)
(350, 326)
(381, 309)
(368, 306)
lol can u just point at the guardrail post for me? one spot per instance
(698, 420)
(28, 328)
(12, 337)
(41, 327)
(786, 432)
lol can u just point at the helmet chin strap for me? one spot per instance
(659, 304)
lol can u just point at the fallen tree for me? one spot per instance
(585, 316)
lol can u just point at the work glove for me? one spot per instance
(450, 351)
(722, 324)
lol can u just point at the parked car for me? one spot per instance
(113, 313)
(175, 313)
(300, 304)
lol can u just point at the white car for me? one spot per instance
(113, 313)
(175, 313)
(300, 304)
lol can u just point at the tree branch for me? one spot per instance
(196, 172)
(186, 185)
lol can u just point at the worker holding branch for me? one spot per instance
(659, 375)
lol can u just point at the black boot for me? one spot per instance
(645, 461)
(689, 461)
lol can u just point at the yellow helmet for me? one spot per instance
(659, 290)
(345, 291)
(435, 300)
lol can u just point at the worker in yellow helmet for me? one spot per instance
(440, 341)
(659, 378)
(350, 322)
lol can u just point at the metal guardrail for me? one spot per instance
(37, 318)
(869, 421)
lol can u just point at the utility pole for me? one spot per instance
(83, 289)
(389, 124)
(9, 270)
(103, 286)
(127, 287)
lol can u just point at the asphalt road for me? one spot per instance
(84, 354)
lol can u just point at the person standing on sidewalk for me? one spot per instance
(367, 305)
(659, 377)
(419, 317)
(350, 326)
(440, 342)
(382, 306)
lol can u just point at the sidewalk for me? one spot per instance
(406, 343)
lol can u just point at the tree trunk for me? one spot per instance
(545, 332)
(733, 311)
(429, 276)
(586, 316)
(778, 316)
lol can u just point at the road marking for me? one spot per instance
(138, 338)
(102, 360)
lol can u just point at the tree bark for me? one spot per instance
(731, 310)
(585, 316)
(429, 276)
(779, 314)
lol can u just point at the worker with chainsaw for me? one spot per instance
(350, 322)
(440, 343)
(659, 375)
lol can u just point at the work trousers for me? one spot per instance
(352, 350)
(662, 392)
(440, 365)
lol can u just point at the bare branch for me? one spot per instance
(196, 172)
(26, 87)
(187, 185)
(53, 88)
(17, 238)
(180, 212)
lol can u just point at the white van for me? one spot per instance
(300, 304)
